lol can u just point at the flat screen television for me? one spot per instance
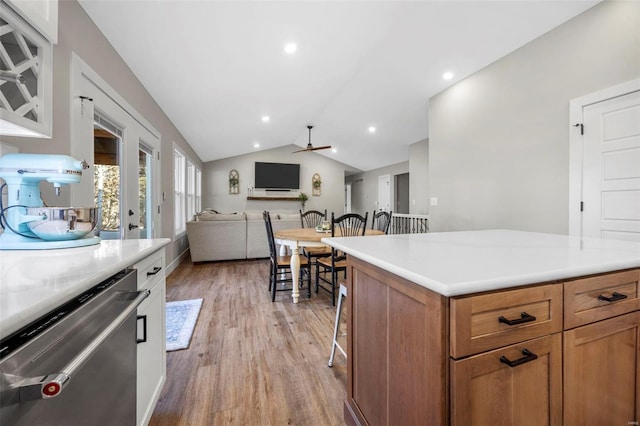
(280, 176)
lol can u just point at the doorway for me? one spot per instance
(401, 193)
(605, 164)
(123, 143)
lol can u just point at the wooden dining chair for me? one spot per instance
(311, 219)
(280, 268)
(381, 221)
(349, 225)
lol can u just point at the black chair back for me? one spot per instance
(381, 221)
(350, 224)
(272, 243)
(312, 218)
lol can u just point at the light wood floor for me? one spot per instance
(251, 361)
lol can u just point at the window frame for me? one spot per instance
(179, 192)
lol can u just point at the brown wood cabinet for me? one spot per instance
(515, 356)
(485, 390)
(601, 374)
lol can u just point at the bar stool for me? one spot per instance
(342, 293)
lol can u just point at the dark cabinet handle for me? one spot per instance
(528, 356)
(615, 296)
(155, 270)
(144, 328)
(524, 317)
(132, 226)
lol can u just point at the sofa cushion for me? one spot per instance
(202, 216)
(253, 215)
(289, 216)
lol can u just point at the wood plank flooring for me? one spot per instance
(251, 361)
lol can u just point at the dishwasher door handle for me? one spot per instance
(51, 385)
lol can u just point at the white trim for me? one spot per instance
(80, 66)
(575, 145)
(175, 262)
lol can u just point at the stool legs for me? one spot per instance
(341, 295)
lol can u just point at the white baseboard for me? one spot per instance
(173, 265)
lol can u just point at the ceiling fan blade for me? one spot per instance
(320, 147)
(300, 150)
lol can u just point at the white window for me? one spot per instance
(191, 190)
(198, 190)
(180, 224)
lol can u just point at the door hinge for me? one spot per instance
(581, 125)
(158, 156)
(581, 206)
(158, 209)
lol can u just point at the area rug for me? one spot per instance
(181, 320)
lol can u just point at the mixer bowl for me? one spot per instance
(62, 223)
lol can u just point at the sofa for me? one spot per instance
(229, 236)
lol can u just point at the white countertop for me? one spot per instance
(33, 282)
(457, 263)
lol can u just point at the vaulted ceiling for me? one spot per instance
(218, 67)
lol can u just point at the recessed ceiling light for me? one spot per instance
(256, 145)
(334, 150)
(265, 119)
(372, 129)
(447, 75)
(290, 48)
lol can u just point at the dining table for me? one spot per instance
(305, 237)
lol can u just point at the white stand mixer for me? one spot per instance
(27, 223)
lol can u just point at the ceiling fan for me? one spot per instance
(309, 146)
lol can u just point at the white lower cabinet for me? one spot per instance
(152, 358)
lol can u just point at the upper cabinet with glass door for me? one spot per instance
(40, 14)
(25, 76)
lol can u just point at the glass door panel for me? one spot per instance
(145, 191)
(108, 179)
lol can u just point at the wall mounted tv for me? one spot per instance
(279, 176)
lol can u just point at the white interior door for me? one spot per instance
(611, 168)
(347, 198)
(384, 192)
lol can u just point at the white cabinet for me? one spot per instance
(26, 104)
(41, 14)
(152, 357)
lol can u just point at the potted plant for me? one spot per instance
(303, 199)
(317, 183)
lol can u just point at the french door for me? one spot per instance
(124, 182)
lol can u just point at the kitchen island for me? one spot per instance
(492, 327)
(33, 283)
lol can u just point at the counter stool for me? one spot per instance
(342, 293)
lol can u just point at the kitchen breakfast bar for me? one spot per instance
(492, 327)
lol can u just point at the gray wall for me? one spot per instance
(499, 140)
(215, 181)
(78, 33)
(364, 193)
(419, 177)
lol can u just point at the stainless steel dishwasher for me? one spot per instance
(76, 365)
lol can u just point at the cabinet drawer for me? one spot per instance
(585, 300)
(150, 269)
(515, 385)
(489, 321)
